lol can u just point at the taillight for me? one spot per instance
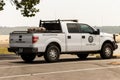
(35, 39)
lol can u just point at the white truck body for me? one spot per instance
(68, 40)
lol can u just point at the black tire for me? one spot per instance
(52, 53)
(107, 51)
(82, 56)
(28, 57)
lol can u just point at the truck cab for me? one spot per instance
(82, 37)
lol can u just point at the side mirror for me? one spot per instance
(97, 32)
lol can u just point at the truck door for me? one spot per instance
(90, 41)
(73, 37)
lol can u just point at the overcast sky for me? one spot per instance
(92, 12)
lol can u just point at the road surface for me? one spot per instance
(68, 68)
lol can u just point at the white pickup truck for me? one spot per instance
(62, 37)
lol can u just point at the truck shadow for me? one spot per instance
(8, 57)
(61, 60)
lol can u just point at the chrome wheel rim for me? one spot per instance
(108, 51)
(53, 53)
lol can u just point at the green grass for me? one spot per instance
(3, 50)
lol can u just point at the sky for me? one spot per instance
(92, 12)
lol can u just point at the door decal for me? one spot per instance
(90, 39)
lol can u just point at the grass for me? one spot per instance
(3, 50)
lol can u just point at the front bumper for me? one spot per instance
(22, 50)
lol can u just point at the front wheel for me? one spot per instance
(107, 51)
(52, 53)
(82, 56)
(28, 57)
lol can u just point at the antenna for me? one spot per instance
(55, 14)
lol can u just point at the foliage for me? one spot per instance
(1, 4)
(27, 7)
(3, 50)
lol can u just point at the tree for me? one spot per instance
(27, 7)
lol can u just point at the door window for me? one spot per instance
(86, 29)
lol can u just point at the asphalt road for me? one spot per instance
(68, 68)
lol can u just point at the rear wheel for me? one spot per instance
(82, 56)
(28, 57)
(107, 51)
(52, 53)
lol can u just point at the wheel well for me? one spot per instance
(54, 43)
(107, 42)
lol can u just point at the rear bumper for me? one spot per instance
(22, 50)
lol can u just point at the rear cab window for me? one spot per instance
(52, 27)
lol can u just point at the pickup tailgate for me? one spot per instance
(20, 39)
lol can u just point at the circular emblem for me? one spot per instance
(90, 39)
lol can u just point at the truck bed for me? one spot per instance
(23, 39)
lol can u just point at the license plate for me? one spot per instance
(20, 50)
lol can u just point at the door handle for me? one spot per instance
(69, 37)
(83, 37)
